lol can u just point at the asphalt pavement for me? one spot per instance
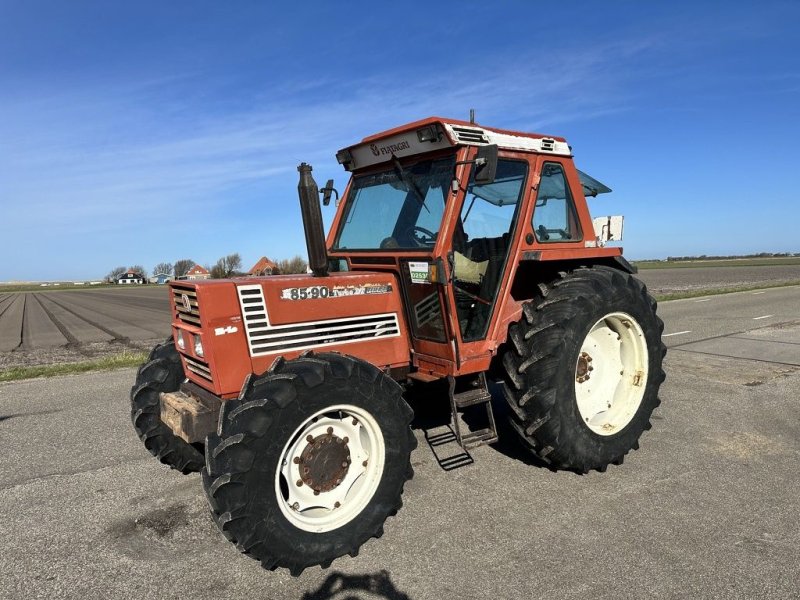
(707, 508)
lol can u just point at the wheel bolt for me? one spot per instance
(310, 438)
(591, 368)
(299, 483)
(330, 430)
(316, 492)
(346, 439)
(355, 421)
(336, 505)
(296, 460)
(364, 464)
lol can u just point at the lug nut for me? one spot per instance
(355, 421)
(346, 439)
(310, 438)
(364, 464)
(296, 506)
(316, 492)
(330, 430)
(299, 483)
(296, 460)
(336, 505)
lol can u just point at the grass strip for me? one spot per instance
(725, 290)
(124, 359)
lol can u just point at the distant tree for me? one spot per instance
(162, 268)
(227, 266)
(182, 266)
(288, 266)
(116, 273)
(140, 270)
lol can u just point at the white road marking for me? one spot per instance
(677, 333)
(704, 300)
(762, 317)
(757, 293)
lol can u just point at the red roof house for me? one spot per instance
(198, 272)
(264, 266)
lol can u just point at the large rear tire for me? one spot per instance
(309, 461)
(162, 372)
(582, 368)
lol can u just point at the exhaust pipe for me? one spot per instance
(312, 222)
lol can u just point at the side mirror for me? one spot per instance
(486, 164)
(326, 193)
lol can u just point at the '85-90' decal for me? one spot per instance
(318, 292)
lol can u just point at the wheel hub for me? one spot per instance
(324, 461)
(583, 367)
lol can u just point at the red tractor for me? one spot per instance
(458, 253)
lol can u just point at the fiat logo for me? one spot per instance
(186, 302)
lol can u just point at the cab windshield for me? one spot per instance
(398, 208)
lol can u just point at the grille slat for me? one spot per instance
(198, 367)
(191, 316)
(470, 135)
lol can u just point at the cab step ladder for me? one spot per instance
(471, 391)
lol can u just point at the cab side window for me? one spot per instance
(554, 217)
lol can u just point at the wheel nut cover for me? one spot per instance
(324, 462)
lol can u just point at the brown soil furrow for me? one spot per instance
(117, 337)
(71, 339)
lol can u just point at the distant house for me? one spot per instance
(198, 272)
(131, 278)
(161, 278)
(264, 266)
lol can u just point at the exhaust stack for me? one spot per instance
(312, 222)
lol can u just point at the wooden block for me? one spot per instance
(189, 417)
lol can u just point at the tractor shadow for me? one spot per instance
(432, 416)
(340, 586)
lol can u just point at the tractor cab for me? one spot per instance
(454, 210)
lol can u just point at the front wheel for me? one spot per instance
(310, 460)
(583, 368)
(162, 372)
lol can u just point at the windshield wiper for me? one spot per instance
(406, 178)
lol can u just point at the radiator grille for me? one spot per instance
(198, 367)
(264, 338)
(183, 297)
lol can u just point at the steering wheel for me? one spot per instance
(426, 240)
(544, 233)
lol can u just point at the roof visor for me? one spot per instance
(425, 139)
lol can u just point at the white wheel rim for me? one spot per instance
(611, 373)
(329, 509)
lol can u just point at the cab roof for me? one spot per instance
(436, 133)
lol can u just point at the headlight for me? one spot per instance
(180, 341)
(198, 346)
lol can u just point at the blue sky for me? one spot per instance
(141, 132)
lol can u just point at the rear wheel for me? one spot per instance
(310, 460)
(162, 372)
(583, 367)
